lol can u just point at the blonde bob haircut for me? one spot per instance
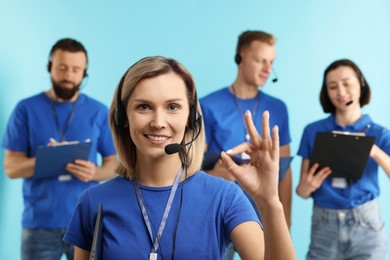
(150, 67)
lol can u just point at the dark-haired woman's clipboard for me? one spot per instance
(97, 242)
(345, 153)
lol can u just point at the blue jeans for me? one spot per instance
(356, 233)
(230, 252)
(44, 244)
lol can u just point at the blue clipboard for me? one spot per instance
(211, 158)
(52, 160)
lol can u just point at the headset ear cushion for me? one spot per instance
(237, 58)
(192, 118)
(362, 82)
(85, 74)
(116, 116)
(119, 116)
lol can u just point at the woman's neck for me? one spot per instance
(345, 118)
(158, 172)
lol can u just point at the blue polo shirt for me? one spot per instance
(224, 123)
(357, 192)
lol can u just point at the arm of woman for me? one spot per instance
(285, 187)
(274, 243)
(260, 179)
(246, 239)
(80, 254)
(381, 158)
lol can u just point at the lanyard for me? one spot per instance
(156, 244)
(242, 113)
(61, 133)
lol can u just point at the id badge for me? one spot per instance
(66, 177)
(340, 183)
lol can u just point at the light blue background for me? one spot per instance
(202, 35)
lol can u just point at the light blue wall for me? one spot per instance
(202, 35)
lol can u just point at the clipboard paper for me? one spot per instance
(345, 154)
(52, 160)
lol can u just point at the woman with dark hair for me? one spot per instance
(162, 206)
(346, 221)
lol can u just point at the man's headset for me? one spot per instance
(194, 118)
(49, 65)
(67, 44)
(237, 59)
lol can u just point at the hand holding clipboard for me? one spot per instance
(345, 153)
(51, 160)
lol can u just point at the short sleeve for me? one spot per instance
(16, 134)
(304, 147)
(238, 209)
(384, 141)
(80, 228)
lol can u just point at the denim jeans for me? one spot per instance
(356, 233)
(44, 244)
(230, 252)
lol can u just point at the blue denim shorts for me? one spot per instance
(356, 233)
(44, 244)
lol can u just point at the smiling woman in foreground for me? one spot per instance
(162, 206)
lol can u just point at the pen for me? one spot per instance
(368, 126)
(360, 133)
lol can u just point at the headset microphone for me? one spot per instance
(275, 79)
(175, 147)
(349, 103)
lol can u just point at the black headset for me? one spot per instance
(49, 64)
(194, 117)
(120, 112)
(237, 58)
(362, 84)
